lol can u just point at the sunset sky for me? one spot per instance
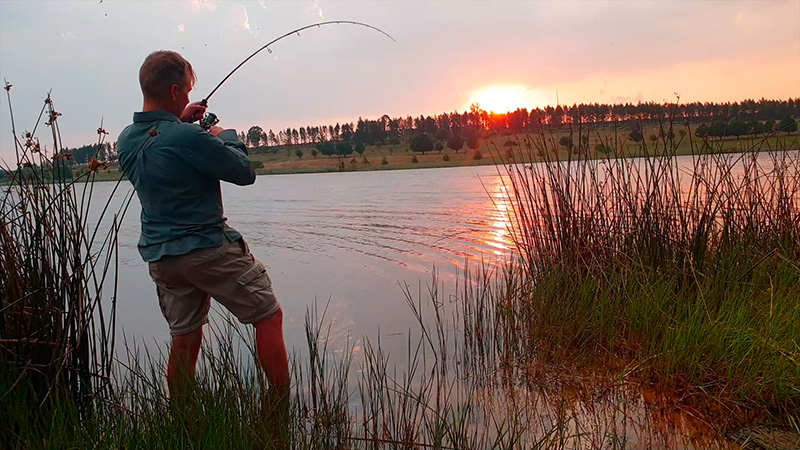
(448, 54)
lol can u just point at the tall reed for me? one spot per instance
(57, 318)
(631, 260)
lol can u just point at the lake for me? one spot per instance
(348, 238)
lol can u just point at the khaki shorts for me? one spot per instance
(229, 273)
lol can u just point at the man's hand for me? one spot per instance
(193, 112)
(215, 130)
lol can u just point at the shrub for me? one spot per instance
(257, 164)
(359, 148)
(565, 142)
(636, 135)
(414, 159)
(602, 148)
(477, 154)
(344, 148)
(384, 162)
(456, 142)
(421, 143)
(473, 142)
(787, 125)
(446, 157)
(327, 149)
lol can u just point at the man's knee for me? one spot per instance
(275, 318)
(189, 341)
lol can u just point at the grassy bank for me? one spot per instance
(400, 156)
(493, 148)
(688, 278)
(473, 377)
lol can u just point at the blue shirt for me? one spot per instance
(176, 168)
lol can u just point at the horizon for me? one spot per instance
(444, 59)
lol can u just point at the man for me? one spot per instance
(176, 168)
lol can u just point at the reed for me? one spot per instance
(687, 276)
(58, 289)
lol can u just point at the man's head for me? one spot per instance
(166, 79)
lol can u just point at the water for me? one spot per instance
(347, 238)
(350, 239)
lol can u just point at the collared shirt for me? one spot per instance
(176, 168)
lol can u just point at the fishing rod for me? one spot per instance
(211, 119)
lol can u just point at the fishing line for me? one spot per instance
(211, 119)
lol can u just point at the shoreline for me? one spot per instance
(490, 156)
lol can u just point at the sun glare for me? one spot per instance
(505, 98)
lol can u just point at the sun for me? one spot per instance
(505, 98)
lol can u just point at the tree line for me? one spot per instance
(466, 127)
(106, 151)
(458, 130)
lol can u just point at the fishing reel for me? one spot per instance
(208, 121)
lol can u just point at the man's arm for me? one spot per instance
(220, 154)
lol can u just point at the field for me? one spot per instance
(492, 150)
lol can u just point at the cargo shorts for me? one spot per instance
(229, 273)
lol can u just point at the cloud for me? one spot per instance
(204, 5)
(68, 35)
(739, 18)
(181, 27)
(240, 18)
(315, 10)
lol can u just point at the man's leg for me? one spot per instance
(271, 350)
(240, 283)
(182, 361)
(185, 307)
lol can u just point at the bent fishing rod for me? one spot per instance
(211, 119)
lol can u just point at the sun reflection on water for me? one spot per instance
(498, 236)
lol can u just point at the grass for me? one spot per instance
(631, 279)
(453, 388)
(399, 156)
(690, 278)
